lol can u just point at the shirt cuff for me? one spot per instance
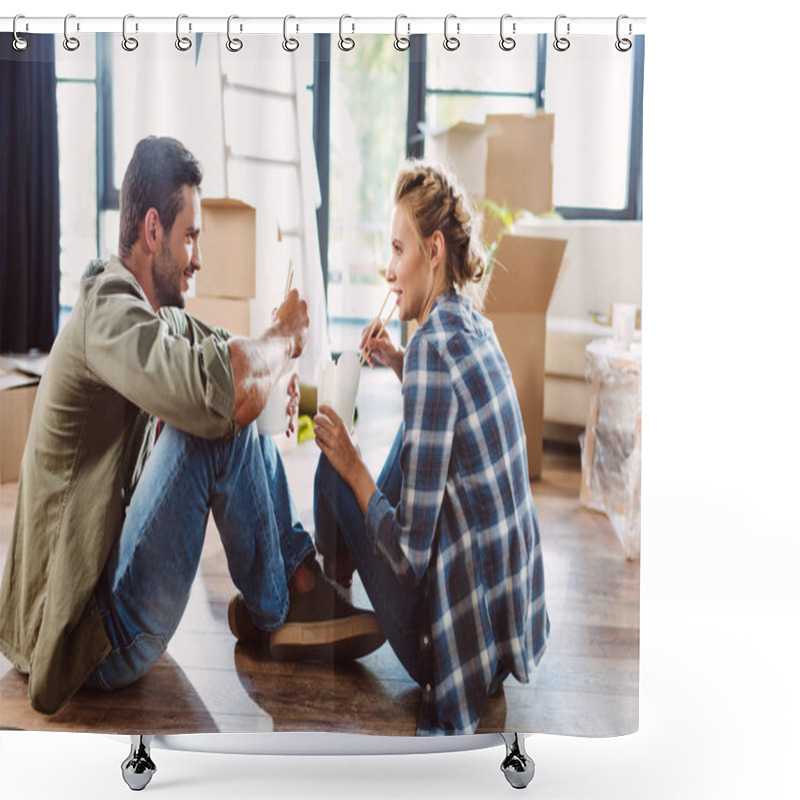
(219, 390)
(381, 529)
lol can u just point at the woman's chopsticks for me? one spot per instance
(364, 353)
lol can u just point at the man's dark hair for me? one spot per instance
(158, 170)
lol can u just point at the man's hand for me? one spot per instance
(290, 321)
(293, 403)
(258, 363)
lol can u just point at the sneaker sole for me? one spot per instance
(338, 640)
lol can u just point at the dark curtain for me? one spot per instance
(29, 216)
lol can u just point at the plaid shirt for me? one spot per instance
(465, 529)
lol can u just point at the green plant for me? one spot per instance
(506, 217)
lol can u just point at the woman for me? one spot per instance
(447, 542)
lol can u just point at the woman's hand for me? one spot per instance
(334, 440)
(380, 348)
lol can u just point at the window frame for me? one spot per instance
(64, 310)
(107, 192)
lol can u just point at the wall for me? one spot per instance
(602, 265)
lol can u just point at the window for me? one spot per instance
(368, 91)
(479, 79)
(597, 145)
(76, 73)
(597, 142)
(598, 134)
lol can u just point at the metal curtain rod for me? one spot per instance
(461, 26)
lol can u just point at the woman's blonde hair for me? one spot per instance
(435, 202)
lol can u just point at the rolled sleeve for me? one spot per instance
(186, 383)
(219, 392)
(383, 533)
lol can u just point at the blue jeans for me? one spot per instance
(401, 608)
(149, 573)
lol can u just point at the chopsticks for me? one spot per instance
(364, 354)
(288, 280)
(290, 274)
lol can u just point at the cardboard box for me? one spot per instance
(519, 161)
(228, 249)
(16, 408)
(520, 287)
(224, 312)
(464, 148)
(508, 159)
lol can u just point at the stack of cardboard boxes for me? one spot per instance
(226, 284)
(19, 379)
(508, 160)
(16, 407)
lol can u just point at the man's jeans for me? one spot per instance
(148, 576)
(400, 607)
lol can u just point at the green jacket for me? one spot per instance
(114, 359)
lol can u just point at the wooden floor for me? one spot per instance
(586, 685)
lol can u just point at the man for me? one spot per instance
(111, 513)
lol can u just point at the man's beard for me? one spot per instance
(167, 279)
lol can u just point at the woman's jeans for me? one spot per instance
(399, 606)
(149, 573)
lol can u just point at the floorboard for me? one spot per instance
(587, 683)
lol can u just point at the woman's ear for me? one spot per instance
(437, 249)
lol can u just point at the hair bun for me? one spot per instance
(436, 201)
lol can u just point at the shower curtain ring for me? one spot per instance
(183, 43)
(506, 42)
(401, 42)
(561, 43)
(19, 43)
(233, 44)
(623, 45)
(129, 43)
(451, 42)
(71, 43)
(289, 44)
(345, 42)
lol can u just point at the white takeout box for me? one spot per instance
(337, 385)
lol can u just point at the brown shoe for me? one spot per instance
(322, 626)
(241, 623)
